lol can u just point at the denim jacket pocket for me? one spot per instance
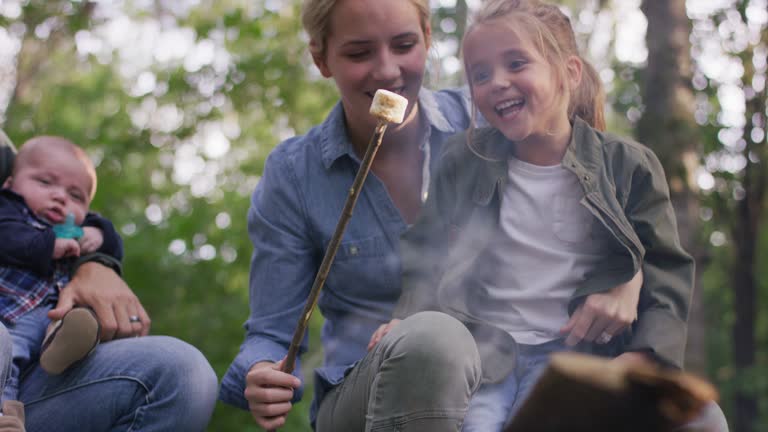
(365, 270)
(376, 246)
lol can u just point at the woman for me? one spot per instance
(363, 45)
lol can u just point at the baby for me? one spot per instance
(52, 181)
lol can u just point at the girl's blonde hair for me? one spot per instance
(316, 19)
(550, 30)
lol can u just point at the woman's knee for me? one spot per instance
(166, 366)
(426, 368)
(184, 365)
(163, 383)
(185, 385)
(435, 339)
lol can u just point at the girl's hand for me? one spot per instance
(604, 315)
(381, 332)
(269, 393)
(63, 248)
(91, 240)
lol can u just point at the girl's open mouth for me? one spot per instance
(509, 107)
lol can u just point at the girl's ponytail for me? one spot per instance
(588, 99)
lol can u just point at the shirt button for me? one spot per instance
(353, 250)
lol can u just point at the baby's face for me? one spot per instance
(54, 183)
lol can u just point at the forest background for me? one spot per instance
(179, 102)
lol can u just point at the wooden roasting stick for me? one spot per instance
(387, 107)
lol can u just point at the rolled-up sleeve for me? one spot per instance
(283, 266)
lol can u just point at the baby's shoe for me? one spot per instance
(12, 419)
(69, 340)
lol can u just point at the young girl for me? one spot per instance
(545, 210)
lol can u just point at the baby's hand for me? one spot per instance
(91, 240)
(63, 248)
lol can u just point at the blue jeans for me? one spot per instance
(153, 383)
(495, 404)
(27, 337)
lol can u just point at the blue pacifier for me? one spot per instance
(68, 229)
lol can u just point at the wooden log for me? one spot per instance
(582, 393)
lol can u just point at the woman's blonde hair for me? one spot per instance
(550, 30)
(316, 19)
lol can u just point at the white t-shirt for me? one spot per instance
(551, 243)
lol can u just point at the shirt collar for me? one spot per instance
(334, 142)
(7, 192)
(584, 152)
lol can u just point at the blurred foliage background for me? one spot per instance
(179, 102)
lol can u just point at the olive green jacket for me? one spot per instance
(624, 188)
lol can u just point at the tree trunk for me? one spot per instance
(462, 15)
(745, 295)
(668, 126)
(745, 230)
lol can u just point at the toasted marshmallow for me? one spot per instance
(388, 106)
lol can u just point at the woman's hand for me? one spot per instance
(604, 315)
(269, 393)
(381, 332)
(99, 287)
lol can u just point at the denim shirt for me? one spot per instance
(293, 214)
